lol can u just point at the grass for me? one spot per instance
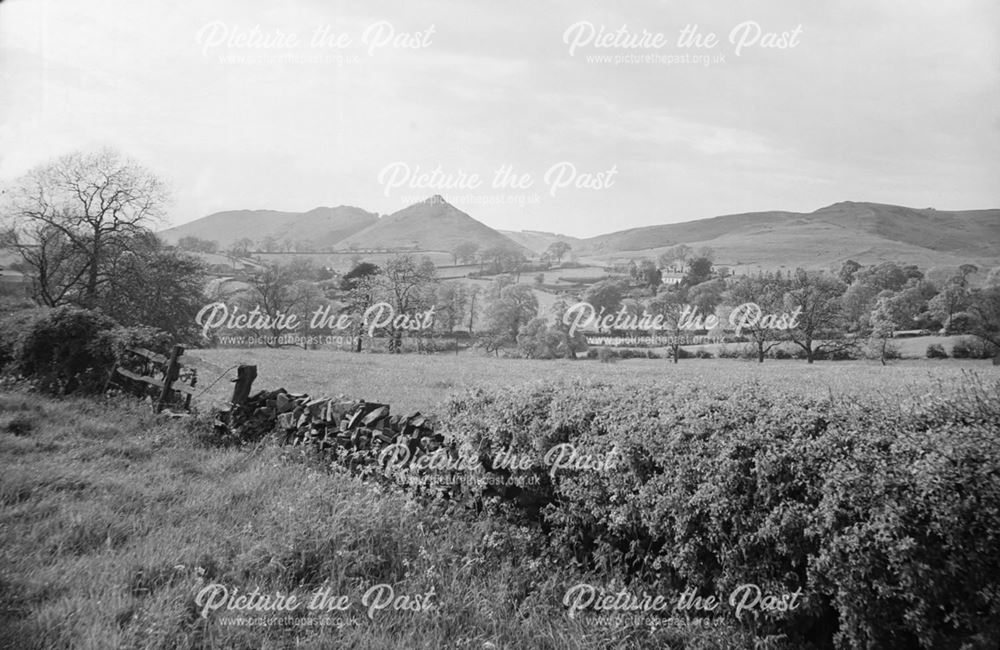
(112, 520)
(420, 382)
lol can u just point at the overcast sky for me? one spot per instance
(894, 102)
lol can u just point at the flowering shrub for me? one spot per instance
(886, 515)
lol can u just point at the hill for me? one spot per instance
(433, 224)
(538, 241)
(865, 232)
(321, 227)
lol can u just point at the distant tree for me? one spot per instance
(450, 304)
(196, 245)
(407, 285)
(699, 270)
(465, 252)
(984, 309)
(648, 275)
(885, 319)
(817, 295)
(359, 272)
(859, 298)
(707, 295)
(847, 271)
(706, 252)
(241, 247)
(557, 250)
(669, 305)
(505, 315)
(269, 244)
(952, 299)
(276, 292)
(676, 254)
(767, 291)
(605, 296)
(473, 292)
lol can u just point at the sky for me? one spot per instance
(575, 117)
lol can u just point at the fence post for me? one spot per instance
(173, 370)
(245, 376)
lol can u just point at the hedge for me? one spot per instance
(886, 515)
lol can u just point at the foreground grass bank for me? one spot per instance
(885, 511)
(112, 521)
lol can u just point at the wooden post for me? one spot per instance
(173, 370)
(245, 376)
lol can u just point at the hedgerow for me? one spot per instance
(886, 515)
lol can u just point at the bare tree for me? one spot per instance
(66, 215)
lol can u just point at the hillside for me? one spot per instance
(538, 241)
(321, 227)
(865, 232)
(433, 224)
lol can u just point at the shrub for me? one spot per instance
(972, 348)
(67, 349)
(886, 518)
(936, 351)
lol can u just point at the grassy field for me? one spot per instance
(112, 520)
(421, 382)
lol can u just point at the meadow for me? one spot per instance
(421, 382)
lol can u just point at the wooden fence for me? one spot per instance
(168, 379)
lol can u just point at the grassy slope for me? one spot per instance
(865, 232)
(320, 226)
(111, 521)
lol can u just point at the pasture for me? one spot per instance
(420, 382)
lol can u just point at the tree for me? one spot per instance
(699, 270)
(885, 320)
(67, 214)
(465, 252)
(707, 295)
(817, 295)
(197, 245)
(859, 298)
(953, 299)
(151, 284)
(768, 292)
(407, 285)
(450, 304)
(669, 305)
(984, 308)
(605, 296)
(847, 271)
(277, 291)
(241, 247)
(515, 306)
(360, 271)
(557, 250)
(648, 275)
(680, 253)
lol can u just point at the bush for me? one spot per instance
(886, 517)
(972, 348)
(67, 349)
(936, 351)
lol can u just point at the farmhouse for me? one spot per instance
(671, 276)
